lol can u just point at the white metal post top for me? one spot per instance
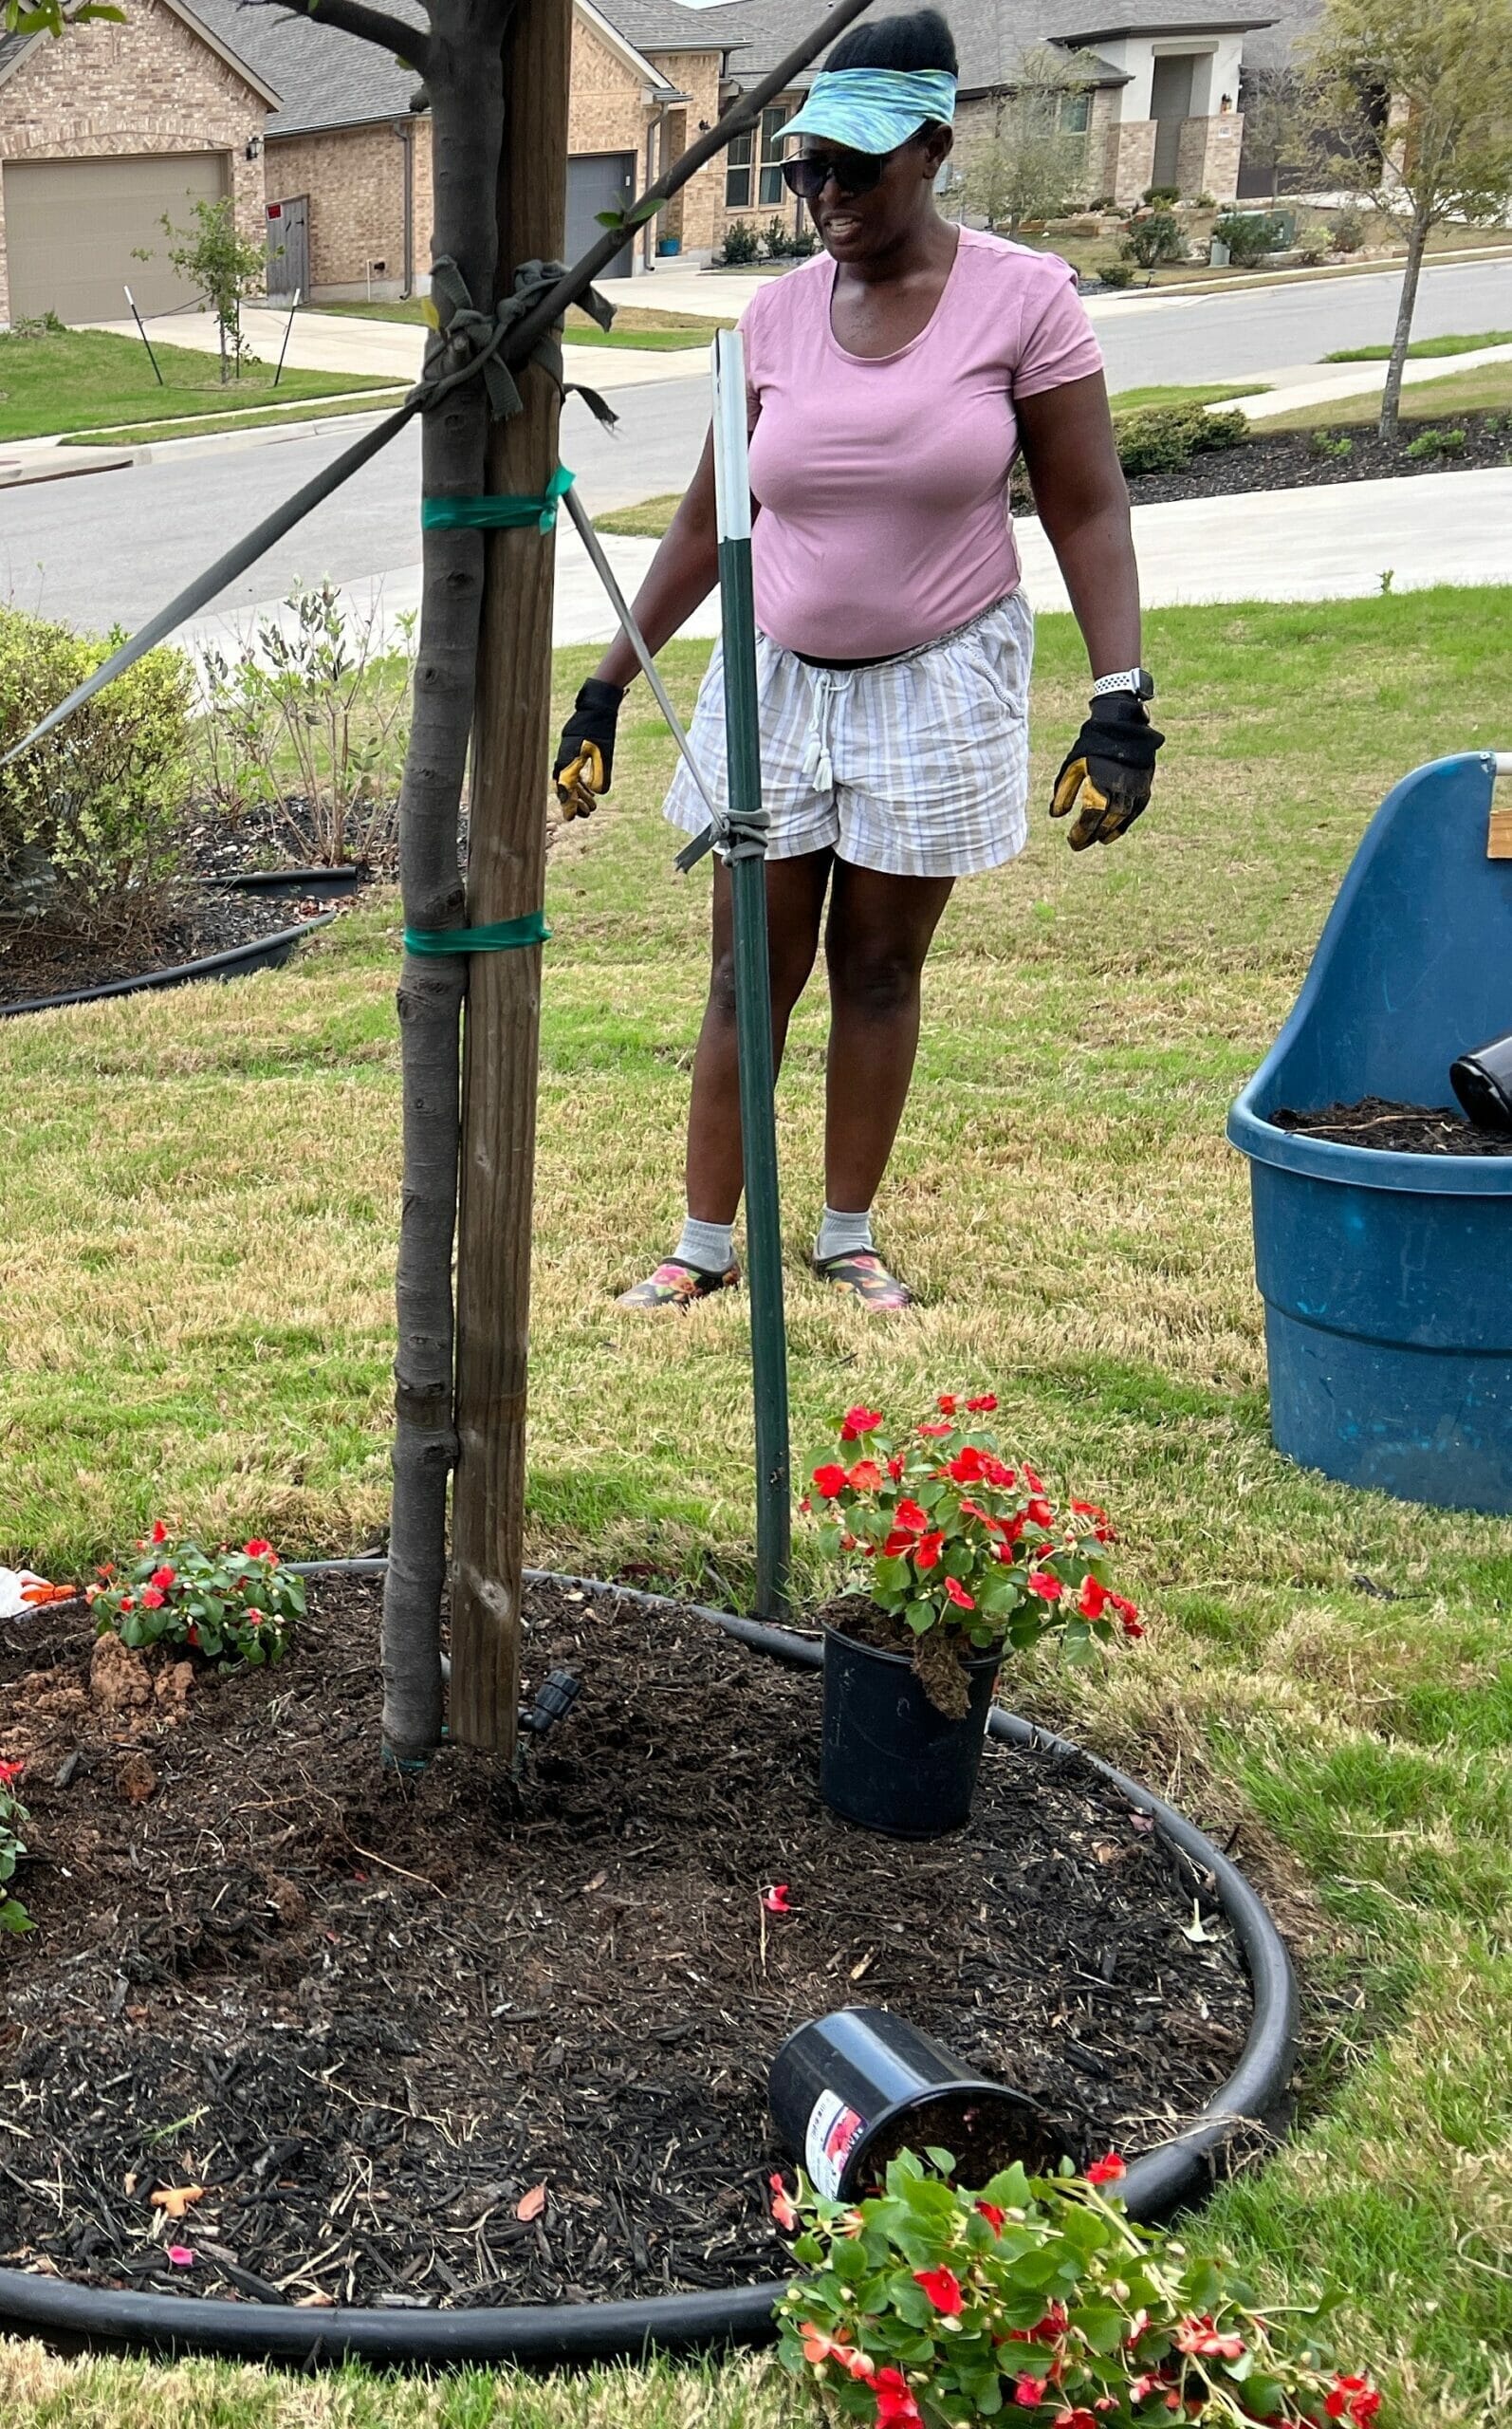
(732, 461)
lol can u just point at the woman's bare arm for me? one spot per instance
(1083, 504)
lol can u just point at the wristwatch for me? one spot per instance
(1137, 679)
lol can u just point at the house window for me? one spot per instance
(737, 173)
(774, 122)
(1075, 112)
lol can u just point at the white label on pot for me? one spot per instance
(831, 2135)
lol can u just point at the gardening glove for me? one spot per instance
(1107, 773)
(585, 755)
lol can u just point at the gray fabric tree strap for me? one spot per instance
(465, 345)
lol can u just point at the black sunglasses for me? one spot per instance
(853, 172)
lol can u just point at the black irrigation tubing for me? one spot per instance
(543, 2336)
(237, 961)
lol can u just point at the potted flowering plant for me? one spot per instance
(1036, 2301)
(229, 1606)
(964, 1557)
(14, 1820)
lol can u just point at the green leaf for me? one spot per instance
(944, 2161)
(1102, 2326)
(14, 1918)
(612, 219)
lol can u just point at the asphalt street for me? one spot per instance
(116, 546)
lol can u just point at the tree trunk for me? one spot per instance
(505, 879)
(465, 84)
(1392, 393)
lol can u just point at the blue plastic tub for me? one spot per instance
(1388, 1278)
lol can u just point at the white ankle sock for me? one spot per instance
(842, 1235)
(711, 1247)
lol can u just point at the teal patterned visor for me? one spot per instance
(874, 109)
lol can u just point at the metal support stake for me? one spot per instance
(288, 327)
(747, 880)
(145, 339)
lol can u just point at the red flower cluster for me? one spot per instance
(1352, 2399)
(10, 1772)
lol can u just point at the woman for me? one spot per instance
(893, 381)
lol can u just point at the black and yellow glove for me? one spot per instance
(585, 754)
(1107, 773)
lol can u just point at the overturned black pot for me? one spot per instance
(851, 2091)
(888, 1759)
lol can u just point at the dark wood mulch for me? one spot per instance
(1285, 462)
(34, 962)
(1403, 1129)
(264, 838)
(371, 2019)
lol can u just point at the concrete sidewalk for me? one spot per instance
(393, 350)
(1330, 543)
(1330, 384)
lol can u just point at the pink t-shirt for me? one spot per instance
(883, 483)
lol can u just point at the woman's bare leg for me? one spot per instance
(876, 941)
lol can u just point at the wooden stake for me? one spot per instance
(505, 879)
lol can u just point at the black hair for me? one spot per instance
(921, 39)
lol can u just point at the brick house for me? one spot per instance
(103, 135)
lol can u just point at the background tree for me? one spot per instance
(1421, 90)
(222, 265)
(1032, 164)
(1286, 114)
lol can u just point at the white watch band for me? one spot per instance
(1126, 682)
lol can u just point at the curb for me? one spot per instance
(574, 2335)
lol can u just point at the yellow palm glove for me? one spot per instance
(1107, 774)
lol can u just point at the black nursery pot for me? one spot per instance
(1483, 1082)
(887, 1759)
(851, 2091)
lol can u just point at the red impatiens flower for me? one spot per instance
(159, 1533)
(153, 1598)
(1044, 2331)
(968, 1467)
(784, 2210)
(775, 1900)
(818, 2347)
(958, 1595)
(1101, 1524)
(1027, 2390)
(943, 2288)
(984, 1404)
(1127, 1616)
(935, 1432)
(163, 1577)
(827, 1482)
(255, 1618)
(10, 1772)
(909, 1514)
(996, 1473)
(866, 1477)
(896, 1465)
(1076, 2416)
(1044, 1583)
(1107, 2170)
(947, 1403)
(1093, 1600)
(857, 1421)
(257, 1549)
(1352, 2398)
(899, 1542)
(995, 2218)
(1199, 2336)
(895, 2407)
(926, 1551)
(1150, 2382)
(1040, 1512)
(180, 2256)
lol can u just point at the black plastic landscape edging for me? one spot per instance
(238, 961)
(572, 2335)
(327, 883)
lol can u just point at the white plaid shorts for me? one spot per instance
(918, 767)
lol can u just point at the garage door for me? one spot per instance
(73, 229)
(598, 181)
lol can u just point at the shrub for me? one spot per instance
(1250, 235)
(1035, 2301)
(1346, 229)
(1102, 203)
(1312, 247)
(1160, 197)
(1117, 274)
(1214, 434)
(741, 244)
(1331, 445)
(89, 815)
(1165, 438)
(1205, 203)
(14, 1820)
(1431, 445)
(1154, 240)
(227, 1605)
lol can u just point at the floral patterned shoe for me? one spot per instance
(866, 1278)
(675, 1285)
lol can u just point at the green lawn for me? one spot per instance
(91, 380)
(268, 419)
(1487, 390)
(1423, 349)
(638, 328)
(196, 1264)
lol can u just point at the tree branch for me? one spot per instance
(406, 43)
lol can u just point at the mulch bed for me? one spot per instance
(38, 963)
(1401, 1129)
(1285, 462)
(264, 838)
(465, 2041)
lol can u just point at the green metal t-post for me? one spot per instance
(745, 857)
